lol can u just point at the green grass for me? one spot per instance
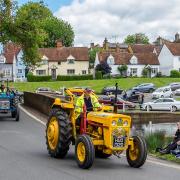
(97, 85)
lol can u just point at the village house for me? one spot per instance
(11, 64)
(135, 62)
(63, 61)
(169, 57)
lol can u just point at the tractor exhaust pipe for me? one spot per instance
(115, 100)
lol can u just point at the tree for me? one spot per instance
(104, 68)
(57, 29)
(123, 70)
(138, 38)
(92, 54)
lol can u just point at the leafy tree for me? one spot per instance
(92, 54)
(137, 38)
(57, 29)
(144, 72)
(104, 68)
(123, 69)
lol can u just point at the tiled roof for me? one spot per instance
(142, 48)
(61, 54)
(11, 50)
(174, 48)
(124, 58)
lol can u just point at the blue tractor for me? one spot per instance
(9, 102)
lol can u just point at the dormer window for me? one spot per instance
(110, 60)
(70, 61)
(134, 60)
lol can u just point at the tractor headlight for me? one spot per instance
(114, 123)
(125, 123)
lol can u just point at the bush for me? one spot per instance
(159, 74)
(107, 76)
(98, 75)
(175, 74)
(154, 140)
(32, 78)
(74, 77)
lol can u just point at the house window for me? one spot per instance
(45, 62)
(70, 61)
(70, 71)
(83, 71)
(7, 72)
(133, 71)
(40, 72)
(19, 71)
(154, 70)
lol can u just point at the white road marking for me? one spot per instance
(148, 160)
(32, 116)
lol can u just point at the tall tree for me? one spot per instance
(92, 54)
(138, 38)
(57, 29)
(104, 68)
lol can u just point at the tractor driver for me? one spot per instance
(2, 88)
(89, 100)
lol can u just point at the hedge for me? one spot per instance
(175, 74)
(98, 75)
(32, 78)
(74, 77)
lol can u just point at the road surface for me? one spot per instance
(23, 156)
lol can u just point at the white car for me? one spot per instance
(177, 92)
(163, 92)
(168, 104)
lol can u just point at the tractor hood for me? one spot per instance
(105, 118)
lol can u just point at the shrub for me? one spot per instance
(174, 73)
(154, 140)
(107, 76)
(74, 77)
(159, 74)
(32, 78)
(98, 75)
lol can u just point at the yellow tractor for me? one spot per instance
(99, 134)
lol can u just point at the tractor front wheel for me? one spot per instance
(84, 151)
(15, 114)
(137, 157)
(58, 133)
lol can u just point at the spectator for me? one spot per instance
(173, 145)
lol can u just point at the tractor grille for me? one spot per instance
(4, 104)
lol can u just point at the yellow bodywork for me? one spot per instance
(103, 127)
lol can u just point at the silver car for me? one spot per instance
(168, 104)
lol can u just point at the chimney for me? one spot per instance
(105, 44)
(138, 38)
(117, 48)
(177, 37)
(92, 45)
(59, 43)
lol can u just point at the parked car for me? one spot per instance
(162, 92)
(145, 88)
(109, 100)
(174, 86)
(134, 96)
(111, 90)
(177, 92)
(43, 90)
(162, 104)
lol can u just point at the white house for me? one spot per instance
(169, 58)
(135, 62)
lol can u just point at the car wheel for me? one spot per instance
(151, 90)
(174, 108)
(162, 96)
(150, 108)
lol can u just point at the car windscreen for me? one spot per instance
(159, 90)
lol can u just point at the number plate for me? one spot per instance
(118, 141)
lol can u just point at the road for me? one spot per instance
(23, 156)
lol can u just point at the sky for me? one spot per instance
(93, 20)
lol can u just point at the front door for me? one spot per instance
(53, 73)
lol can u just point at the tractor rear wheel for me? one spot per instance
(100, 154)
(137, 157)
(58, 133)
(84, 151)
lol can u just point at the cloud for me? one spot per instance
(94, 20)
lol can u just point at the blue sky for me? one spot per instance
(54, 5)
